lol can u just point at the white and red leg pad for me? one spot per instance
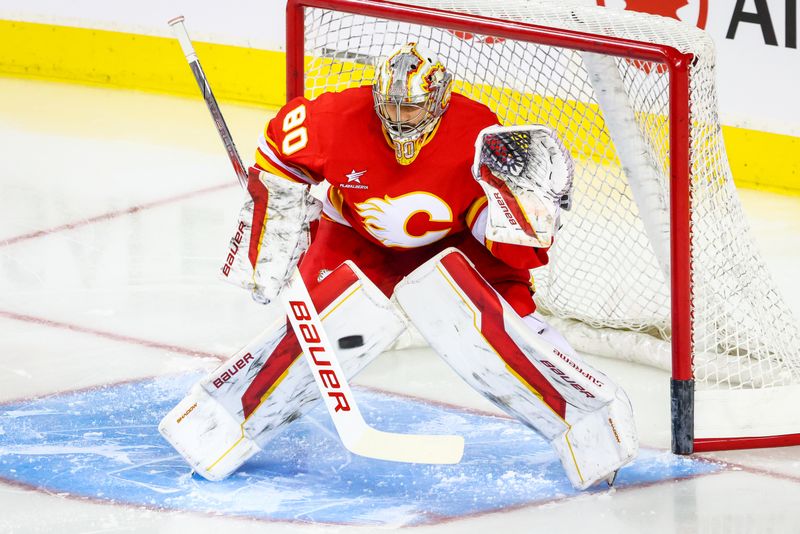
(232, 413)
(586, 417)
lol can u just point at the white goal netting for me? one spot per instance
(607, 284)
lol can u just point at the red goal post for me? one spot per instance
(670, 63)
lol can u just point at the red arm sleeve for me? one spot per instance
(518, 256)
(292, 144)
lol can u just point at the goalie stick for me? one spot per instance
(356, 435)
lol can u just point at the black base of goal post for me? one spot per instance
(682, 407)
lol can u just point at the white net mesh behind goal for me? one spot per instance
(609, 267)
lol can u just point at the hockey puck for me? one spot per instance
(351, 342)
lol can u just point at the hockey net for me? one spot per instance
(610, 282)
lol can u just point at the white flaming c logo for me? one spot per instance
(386, 219)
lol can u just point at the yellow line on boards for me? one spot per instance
(763, 160)
(759, 160)
(143, 62)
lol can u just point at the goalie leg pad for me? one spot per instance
(598, 442)
(238, 408)
(585, 416)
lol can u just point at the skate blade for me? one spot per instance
(612, 478)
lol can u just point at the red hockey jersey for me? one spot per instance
(338, 137)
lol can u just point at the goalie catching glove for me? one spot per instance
(272, 232)
(526, 174)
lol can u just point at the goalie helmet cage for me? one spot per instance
(654, 263)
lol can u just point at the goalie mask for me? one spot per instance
(411, 92)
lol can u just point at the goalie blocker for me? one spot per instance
(261, 257)
(587, 418)
(232, 413)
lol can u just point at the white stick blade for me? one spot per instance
(410, 448)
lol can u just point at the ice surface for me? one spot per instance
(114, 212)
(104, 443)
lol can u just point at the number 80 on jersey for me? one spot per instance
(296, 137)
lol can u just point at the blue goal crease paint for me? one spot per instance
(104, 444)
